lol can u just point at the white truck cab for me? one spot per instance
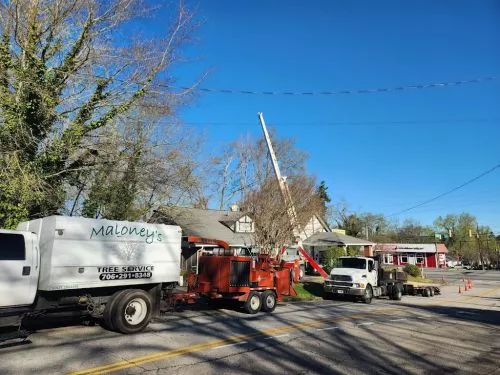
(19, 268)
(354, 276)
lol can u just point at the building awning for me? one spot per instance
(410, 248)
(335, 239)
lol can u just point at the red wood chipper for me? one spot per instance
(258, 281)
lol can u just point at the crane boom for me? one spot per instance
(285, 191)
(292, 214)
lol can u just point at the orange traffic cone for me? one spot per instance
(469, 284)
(459, 289)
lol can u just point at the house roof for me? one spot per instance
(205, 223)
(331, 238)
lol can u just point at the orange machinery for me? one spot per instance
(257, 281)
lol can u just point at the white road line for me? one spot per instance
(365, 324)
(275, 337)
(327, 329)
(398, 320)
(236, 343)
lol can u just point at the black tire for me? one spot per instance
(132, 312)
(328, 296)
(397, 292)
(108, 309)
(426, 292)
(269, 301)
(431, 291)
(367, 298)
(253, 303)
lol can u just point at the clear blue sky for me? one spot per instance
(382, 152)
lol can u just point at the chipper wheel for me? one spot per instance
(268, 301)
(253, 303)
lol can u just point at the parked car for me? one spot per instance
(451, 263)
(467, 264)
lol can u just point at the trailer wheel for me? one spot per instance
(132, 312)
(268, 301)
(253, 303)
(397, 293)
(109, 309)
(426, 292)
(431, 291)
(367, 298)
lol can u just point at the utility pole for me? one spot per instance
(479, 247)
(480, 253)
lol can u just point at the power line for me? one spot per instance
(339, 123)
(339, 92)
(314, 93)
(447, 192)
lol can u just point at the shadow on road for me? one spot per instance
(366, 349)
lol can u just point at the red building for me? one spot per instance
(422, 255)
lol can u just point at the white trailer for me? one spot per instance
(115, 270)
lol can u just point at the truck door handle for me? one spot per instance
(26, 270)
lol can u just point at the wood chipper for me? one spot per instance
(258, 281)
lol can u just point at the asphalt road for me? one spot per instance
(455, 275)
(457, 333)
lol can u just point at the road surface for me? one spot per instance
(455, 275)
(457, 333)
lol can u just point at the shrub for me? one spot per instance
(412, 270)
(330, 257)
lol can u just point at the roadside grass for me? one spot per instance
(419, 279)
(306, 291)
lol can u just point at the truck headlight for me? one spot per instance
(355, 285)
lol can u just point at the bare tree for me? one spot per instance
(273, 227)
(245, 165)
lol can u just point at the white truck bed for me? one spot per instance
(80, 253)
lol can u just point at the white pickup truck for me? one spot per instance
(361, 277)
(115, 270)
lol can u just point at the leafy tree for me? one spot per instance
(325, 198)
(468, 239)
(330, 257)
(68, 73)
(359, 225)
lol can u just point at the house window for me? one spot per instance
(388, 259)
(420, 258)
(245, 225)
(403, 258)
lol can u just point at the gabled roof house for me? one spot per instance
(232, 226)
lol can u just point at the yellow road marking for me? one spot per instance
(120, 365)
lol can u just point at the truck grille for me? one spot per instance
(341, 278)
(338, 283)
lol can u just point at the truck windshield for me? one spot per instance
(352, 263)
